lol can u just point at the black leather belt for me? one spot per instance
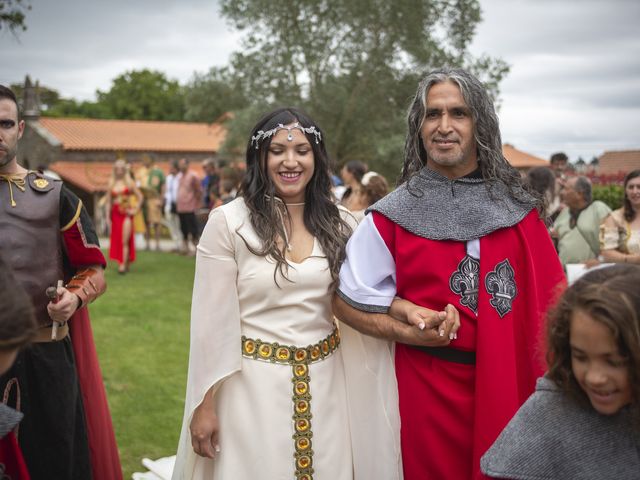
(449, 354)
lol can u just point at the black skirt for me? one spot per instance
(43, 385)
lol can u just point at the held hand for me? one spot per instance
(440, 329)
(449, 327)
(204, 430)
(66, 306)
(424, 317)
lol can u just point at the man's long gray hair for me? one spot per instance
(491, 161)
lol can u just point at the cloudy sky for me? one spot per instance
(574, 84)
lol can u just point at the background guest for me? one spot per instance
(620, 233)
(577, 227)
(188, 202)
(121, 210)
(352, 174)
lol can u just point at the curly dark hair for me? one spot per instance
(17, 320)
(629, 212)
(492, 163)
(609, 295)
(376, 187)
(321, 216)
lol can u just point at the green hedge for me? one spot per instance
(612, 195)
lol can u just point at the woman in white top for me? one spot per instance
(274, 390)
(620, 231)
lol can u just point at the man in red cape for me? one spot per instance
(56, 383)
(455, 266)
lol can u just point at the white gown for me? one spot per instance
(234, 296)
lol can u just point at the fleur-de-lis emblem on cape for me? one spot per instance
(464, 282)
(501, 285)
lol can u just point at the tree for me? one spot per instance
(53, 105)
(210, 95)
(12, 14)
(353, 64)
(73, 108)
(48, 97)
(143, 95)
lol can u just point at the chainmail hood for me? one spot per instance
(9, 418)
(552, 437)
(432, 206)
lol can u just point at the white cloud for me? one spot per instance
(574, 83)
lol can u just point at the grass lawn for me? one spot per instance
(141, 330)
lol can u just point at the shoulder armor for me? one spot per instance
(40, 182)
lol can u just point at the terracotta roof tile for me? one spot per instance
(94, 176)
(613, 162)
(134, 135)
(520, 159)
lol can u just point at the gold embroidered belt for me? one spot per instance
(299, 358)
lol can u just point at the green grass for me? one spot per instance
(141, 330)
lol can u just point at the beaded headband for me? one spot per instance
(261, 135)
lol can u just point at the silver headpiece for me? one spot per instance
(261, 135)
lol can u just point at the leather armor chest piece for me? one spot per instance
(30, 237)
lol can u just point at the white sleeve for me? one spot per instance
(214, 352)
(368, 274)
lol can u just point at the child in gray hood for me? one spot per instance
(583, 421)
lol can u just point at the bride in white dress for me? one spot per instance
(275, 390)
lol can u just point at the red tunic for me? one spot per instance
(451, 412)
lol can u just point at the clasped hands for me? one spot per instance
(426, 327)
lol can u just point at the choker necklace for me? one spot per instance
(294, 204)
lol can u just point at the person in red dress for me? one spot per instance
(121, 210)
(464, 269)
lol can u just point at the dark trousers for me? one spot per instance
(189, 225)
(52, 434)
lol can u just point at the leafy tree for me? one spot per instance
(210, 95)
(353, 64)
(143, 95)
(72, 108)
(53, 105)
(134, 95)
(48, 97)
(12, 14)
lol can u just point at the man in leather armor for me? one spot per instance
(48, 240)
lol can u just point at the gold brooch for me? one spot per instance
(41, 183)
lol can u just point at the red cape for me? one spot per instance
(510, 350)
(105, 461)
